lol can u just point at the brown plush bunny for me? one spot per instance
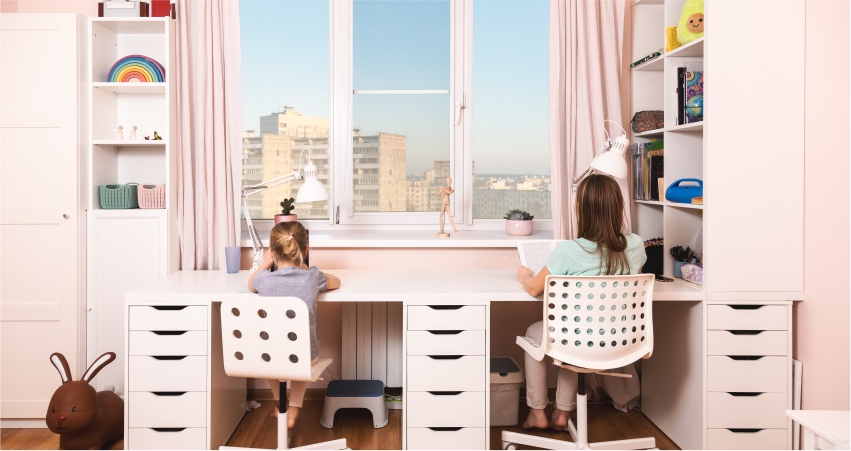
(84, 418)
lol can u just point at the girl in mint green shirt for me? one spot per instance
(600, 249)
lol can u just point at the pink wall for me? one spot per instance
(822, 319)
(84, 7)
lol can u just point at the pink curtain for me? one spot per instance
(209, 110)
(586, 68)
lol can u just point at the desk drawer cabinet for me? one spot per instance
(168, 438)
(446, 377)
(749, 370)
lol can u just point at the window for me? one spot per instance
(416, 91)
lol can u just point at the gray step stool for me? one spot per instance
(355, 394)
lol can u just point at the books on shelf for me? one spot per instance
(690, 92)
(648, 167)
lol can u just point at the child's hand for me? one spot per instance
(267, 259)
(523, 274)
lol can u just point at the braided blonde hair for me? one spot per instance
(288, 242)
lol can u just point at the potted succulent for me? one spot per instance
(518, 222)
(286, 211)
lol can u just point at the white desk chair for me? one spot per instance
(269, 338)
(591, 324)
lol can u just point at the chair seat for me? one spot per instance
(355, 389)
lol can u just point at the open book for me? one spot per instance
(534, 254)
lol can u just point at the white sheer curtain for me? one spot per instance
(586, 68)
(209, 110)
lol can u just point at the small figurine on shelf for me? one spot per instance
(133, 133)
(120, 135)
(445, 191)
(147, 138)
(157, 137)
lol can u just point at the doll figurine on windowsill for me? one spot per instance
(445, 191)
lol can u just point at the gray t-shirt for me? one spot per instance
(304, 284)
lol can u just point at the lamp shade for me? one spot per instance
(312, 189)
(612, 162)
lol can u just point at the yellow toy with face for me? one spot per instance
(691, 24)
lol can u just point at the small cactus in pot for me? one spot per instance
(286, 211)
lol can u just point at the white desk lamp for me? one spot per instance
(610, 159)
(311, 190)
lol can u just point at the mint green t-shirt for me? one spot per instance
(579, 257)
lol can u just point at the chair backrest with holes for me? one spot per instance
(599, 322)
(266, 337)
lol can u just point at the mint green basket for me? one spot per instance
(118, 197)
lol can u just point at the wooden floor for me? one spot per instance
(258, 429)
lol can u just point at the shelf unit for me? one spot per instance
(126, 249)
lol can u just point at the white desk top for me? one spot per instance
(445, 286)
(833, 425)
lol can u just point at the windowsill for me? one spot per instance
(411, 239)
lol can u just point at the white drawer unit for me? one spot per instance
(738, 342)
(447, 438)
(747, 317)
(439, 342)
(446, 409)
(764, 374)
(167, 438)
(446, 317)
(168, 409)
(168, 317)
(748, 439)
(167, 342)
(168, 373)
(447, 373)
(747, 410)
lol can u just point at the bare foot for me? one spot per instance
(292, 414)
(537, 419)
(559, 419)
(275, 411)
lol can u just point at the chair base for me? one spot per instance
(349, 394)
(284, 439)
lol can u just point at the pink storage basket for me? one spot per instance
(151, 196)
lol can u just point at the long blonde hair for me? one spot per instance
(600, 214)
(288, 242)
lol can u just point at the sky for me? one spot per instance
(406, 45)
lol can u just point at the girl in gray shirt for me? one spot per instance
(283, 273)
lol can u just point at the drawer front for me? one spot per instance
(768, 374)
(440, 317)
(764, 439)
(168, 409)
(467, 342)
(767, 317)
(452, 409)
(767, 342)
(150, 374)
(464, 438)
(146, 342)
(467, 373)
(766, 410)
(146, 317)
(147, 438)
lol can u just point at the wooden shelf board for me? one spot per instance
(651, 133)
(693, 127)
(131, 87)
(649, 202)
(133, 25)
(128, 142)
(692, 49)
(682, 205)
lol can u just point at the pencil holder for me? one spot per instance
(118, 197)
(678, 269)
(151, 196)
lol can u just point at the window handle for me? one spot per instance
(459, 107)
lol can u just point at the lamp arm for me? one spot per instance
(251, 190)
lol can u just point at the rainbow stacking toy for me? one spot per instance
(136, 68)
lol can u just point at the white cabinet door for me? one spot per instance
(126, 250)
(40, 258)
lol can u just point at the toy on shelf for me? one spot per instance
(83, 417)
(119, 133)
(157, 137)
(136, 68)
(671, 41)
(133, 133)
(147, 138)
(445, 191)
(691, 25)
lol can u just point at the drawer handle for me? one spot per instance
(445, 429)
(745, 357)
(445, 307)
(445, 393)
(169, 332)
(169, 307)
(169, 357)
(743, 430)
(745, 307)
(446, 357)
(744, 393)
(445, 332)
(168, 429)
(745, 332)
(169, 393)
